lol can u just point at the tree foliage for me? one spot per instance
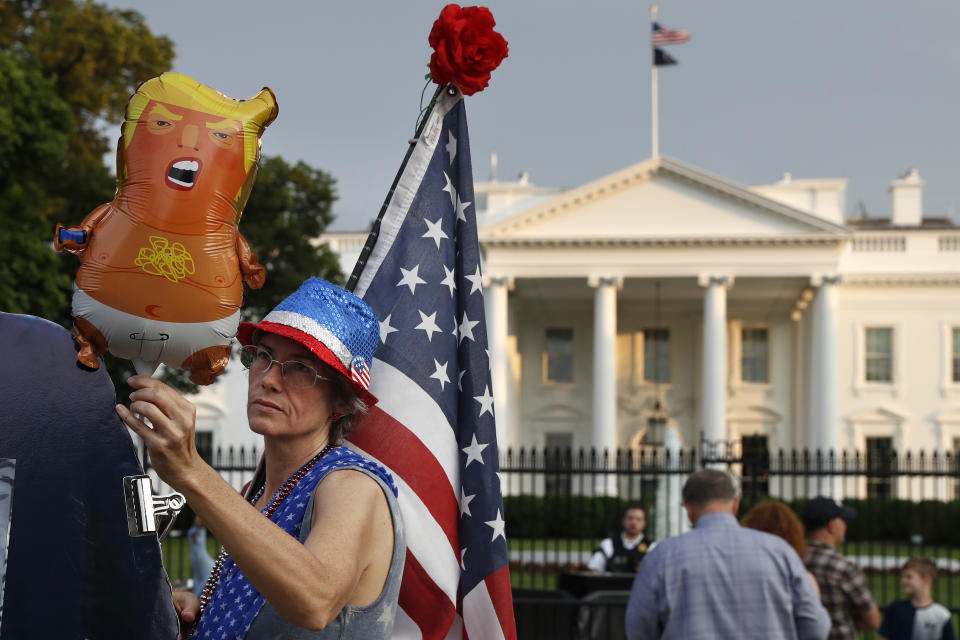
(90, 58)
(34, 128)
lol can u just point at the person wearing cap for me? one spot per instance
(721, 580)
(315, 546)
(843, 587)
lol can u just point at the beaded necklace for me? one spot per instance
(278, 499)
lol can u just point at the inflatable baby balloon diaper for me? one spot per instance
(163, 265)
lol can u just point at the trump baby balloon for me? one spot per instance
(163, 265)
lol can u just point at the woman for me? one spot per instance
(326, 560)
(780, 520)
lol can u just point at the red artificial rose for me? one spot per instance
(465, 48)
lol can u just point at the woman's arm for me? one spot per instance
(308, 584)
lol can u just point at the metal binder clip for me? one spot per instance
(144, 510)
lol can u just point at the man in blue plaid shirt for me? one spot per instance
(722, 580)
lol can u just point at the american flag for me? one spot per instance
(662, 36)
(434, 425)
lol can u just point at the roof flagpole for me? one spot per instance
(654, 107)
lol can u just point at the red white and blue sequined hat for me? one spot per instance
(337, 327)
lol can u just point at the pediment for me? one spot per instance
(878, 415)
(754, 414)
(659, 198)
(558, 413)
(949, 416)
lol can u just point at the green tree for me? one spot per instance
(93, 57)
(96, 56)
(34, 128)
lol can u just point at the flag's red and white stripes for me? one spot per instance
(407, 419)
(663, 36)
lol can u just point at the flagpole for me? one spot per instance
(654, 97)
(375, 228)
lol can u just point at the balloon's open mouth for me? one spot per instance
(182, 174)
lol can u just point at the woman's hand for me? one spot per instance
(187, 606)
(170, 441)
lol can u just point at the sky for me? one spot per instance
(856, 89)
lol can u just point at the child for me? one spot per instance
(919, 618)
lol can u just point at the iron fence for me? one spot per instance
(559, 504)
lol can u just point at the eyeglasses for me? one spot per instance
(297, 374)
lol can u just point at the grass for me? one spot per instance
(176, 556)
(549, 544)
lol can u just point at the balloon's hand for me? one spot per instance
(72, 239)
(254, 273)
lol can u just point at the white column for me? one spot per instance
(605, 367)
(714, 381)
(825, 434)
(496, 299)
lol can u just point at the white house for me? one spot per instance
(666, 295)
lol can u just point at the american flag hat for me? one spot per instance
(337, 327)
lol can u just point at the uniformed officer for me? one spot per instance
(623, 553)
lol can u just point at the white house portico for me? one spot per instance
(717, 254)
(665, 296)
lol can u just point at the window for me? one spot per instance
(956, 354)
(755, 455)
(881, 463)
(656, 355)
(954, 467)
(879, 354)
(559, 462)
(656, 431)
(204, 441)
(753, 355)
(558, 359)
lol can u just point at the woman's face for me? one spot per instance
(274, 409)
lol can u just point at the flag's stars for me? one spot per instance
(486, 401)
(435, 231)
(498, 527)
(461, 208)
(465, 502)
(463, 552)
(451, 146)
(465, 330)
(474, 452)
(428, 324)
(456, 328)
(476, 281)
(460, 380)
(452, 190)
(448, 280)
(411, 278)
(440, 374)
